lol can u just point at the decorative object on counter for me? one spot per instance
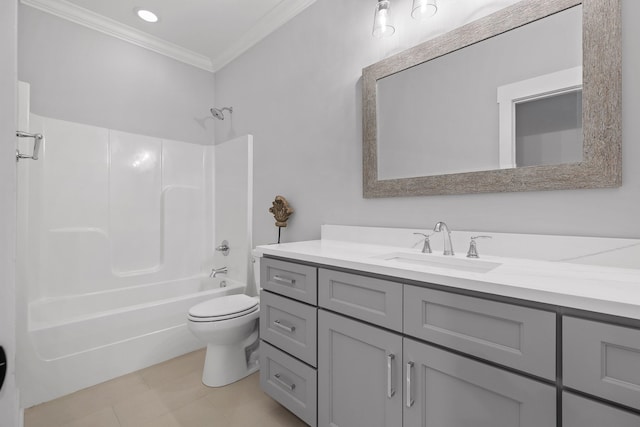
(281, 212)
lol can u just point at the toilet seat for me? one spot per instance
(223, 308)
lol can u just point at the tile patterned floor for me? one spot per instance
(169, 394)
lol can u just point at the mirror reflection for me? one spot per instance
(510, 101)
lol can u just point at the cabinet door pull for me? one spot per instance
(281, 381)
(282, 326)
(285, 281)
(409, 399)
(390, 390)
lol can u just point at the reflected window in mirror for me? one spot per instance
(549, 130)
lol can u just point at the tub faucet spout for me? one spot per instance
(216, 271)
(448, 247)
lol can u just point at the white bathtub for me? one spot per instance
(79, 341)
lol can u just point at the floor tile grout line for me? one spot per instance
(113, 409)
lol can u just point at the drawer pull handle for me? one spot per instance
(282, 326)
(279, 379)
(390, 390)
(409, 399)
(290, 282)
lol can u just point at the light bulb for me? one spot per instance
(146, 15)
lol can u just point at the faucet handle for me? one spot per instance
(473, 249)
(426, 247)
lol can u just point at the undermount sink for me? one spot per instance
(473, 265)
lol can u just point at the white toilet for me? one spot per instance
(229, 326)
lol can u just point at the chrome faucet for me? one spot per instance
(448, 247)
(216, 271)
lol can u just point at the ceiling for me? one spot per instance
(205, 33)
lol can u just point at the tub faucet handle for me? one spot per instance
(223, 247)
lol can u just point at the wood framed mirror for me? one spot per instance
(394, 149)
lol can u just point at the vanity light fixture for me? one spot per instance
(382, 26)
(146, 15)
(422, 10)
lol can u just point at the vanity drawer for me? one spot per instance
(580, 412)
(372, 300)
(289, 325)
(602, 359)
(510, 335)
(290, 382)
(291, 280)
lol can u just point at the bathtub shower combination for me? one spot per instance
(116, 237)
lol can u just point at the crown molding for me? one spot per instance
(273, 20)
(79, 15)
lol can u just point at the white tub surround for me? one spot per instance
(594, 274)
(113, 241)
(116, 237)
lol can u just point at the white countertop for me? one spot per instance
(608, 290)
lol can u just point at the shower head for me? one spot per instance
(218, 112)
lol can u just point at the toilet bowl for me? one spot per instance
(229, 326)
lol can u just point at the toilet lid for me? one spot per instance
(223, 307)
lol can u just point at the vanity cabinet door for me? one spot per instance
(444, 389)
(359, 367)
(580, 412)
(602, 359)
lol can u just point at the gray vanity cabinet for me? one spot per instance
(360, 381)
(578, 411)
(388, 354)
(444, 389)
(288, 319)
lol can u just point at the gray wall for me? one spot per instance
(81, 75)
(8, 69)
(299, 93)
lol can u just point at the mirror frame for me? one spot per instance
(601, 166)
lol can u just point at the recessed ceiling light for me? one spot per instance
(146, 15)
